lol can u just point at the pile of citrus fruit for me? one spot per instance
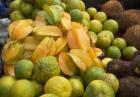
(53, 50)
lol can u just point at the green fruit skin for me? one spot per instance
(111, 25)
(16, 15)
(63, 5)
(96, 26)
(22, 88)
(85, 15)
(59, 86)
(6, 82)
(75, 4)
(101, 16)
(15, 5)
(77, 87)
(92, 11)
(99, 88)
(45, 68)
(109, 33)
(113, 52)
(24, 69)
(76, 15)
(93, 73)
(85, 23)
(112, 81)
(26, 8)
(128, 52)
(48, 95)
(38, 88)
(120, 43)
(103, 41)
(34, 13)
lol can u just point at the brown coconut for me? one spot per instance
(112, 8)
(132, 36)
(129, 18)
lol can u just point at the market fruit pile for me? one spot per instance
(62, 50)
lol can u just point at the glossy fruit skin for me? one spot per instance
(99, 88)
(120, 43)
(92, 11)
(128, 52)
(24, 69)
(101, 16)
(109, 33)
(113, 52)
(76, 15)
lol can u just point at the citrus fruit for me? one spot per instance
(34, 13)
(22, 88)
(15, 5)
(128, 52)
(26, 8)
(45, 68)
(112, 80)
(48, 95)
(99, 88)
(96, 26)
(76, 15)
(77, 87)
(101, 16)
(38, 88)
(109, 33)
(93, 73)
(103, 40)
(120, 43)
(59, 86)
(23, 69)
(16, 15)
(113, 52)
(63, 5)
(85, 15)
(85, 23)
(111, 25)
(92, 11)
(6, 82)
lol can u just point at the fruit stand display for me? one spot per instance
(63, 49)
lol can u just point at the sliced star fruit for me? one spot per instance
(66, 64)
(9, 69)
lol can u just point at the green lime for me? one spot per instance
(16, 15)
(76, 15)
(92, 11)
(93, 73)
(96, 26)
(128, 52)
(85, 15)
(26, 8)
(101, 16)
(120, 43)
(63, 5)
(103, 40)
(34, 13)
(48, 95)
(109, 33)
(113, 52)
(77, 87)
(24, 69)
(15, 5)
(111, 25)
(85, 23)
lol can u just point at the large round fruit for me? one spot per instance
(59, 86)
(45, 68)
(22, 88)
(99, 88)
(128, 52)
(24, 69)
(48, 95)
(111, 25)
(101, 16)
(76, 15)
(113, 52)
(38, 88)
(120, 43)
(77, 87)
(112, 81)
(103, 40)
(96, 26)
(6, 83)
(93, 73)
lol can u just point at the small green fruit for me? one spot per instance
(101, 16)
(120, 43)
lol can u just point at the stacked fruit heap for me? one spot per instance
(57, 54)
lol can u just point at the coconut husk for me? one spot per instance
(112, 8)
(129, 18)
(132, 36)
